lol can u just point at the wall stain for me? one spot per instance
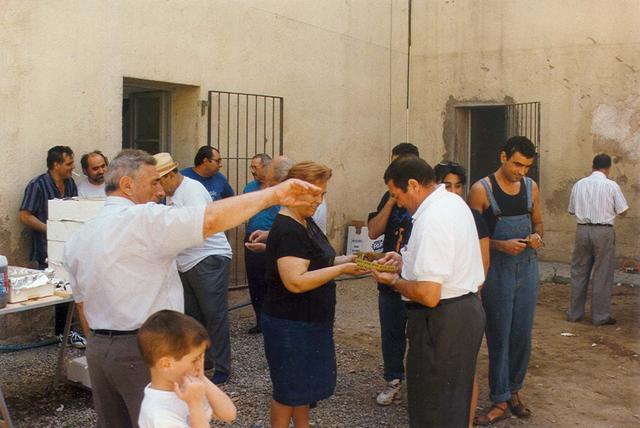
(592, 40)
(558, 202)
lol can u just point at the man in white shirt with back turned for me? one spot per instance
(595, 201)
(204, 270)
(122, 266)
(441, 272)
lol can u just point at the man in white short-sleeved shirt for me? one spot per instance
(122, 269)
(94, 166)
(441, 272)
(595, 200)
(204, 270)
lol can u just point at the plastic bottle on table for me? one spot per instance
(4, 282)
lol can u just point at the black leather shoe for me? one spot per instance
(608, 321)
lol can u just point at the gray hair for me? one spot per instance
(264, 158)
(126, 164)
(280, 167)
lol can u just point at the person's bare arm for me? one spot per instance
(298, 279)
(83, 321)
(32, 222)
(221, 405)
(427, 293)
(230, 212)
(486, 254)
(378, 224)
(535, 239)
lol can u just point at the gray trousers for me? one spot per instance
(594, 252)
(206, 298)
(118, 377)
(441, 361)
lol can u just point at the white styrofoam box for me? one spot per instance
(358, 240)
(79, 210)
(78, 371)
(22, 294)
(61, 230)
(55, 250)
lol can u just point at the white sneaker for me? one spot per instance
(75, 339)
(389, 393)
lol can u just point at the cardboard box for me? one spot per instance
(61, 230)
(78, 371)
(79, 210)
(358, 239)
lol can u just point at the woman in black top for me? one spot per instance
(299, 307)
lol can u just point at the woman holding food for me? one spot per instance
(299, 307)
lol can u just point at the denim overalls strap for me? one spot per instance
(492, 200)
(528, 184)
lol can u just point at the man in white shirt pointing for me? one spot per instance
(122, 267)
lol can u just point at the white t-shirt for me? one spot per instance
(191, 193)
(163, 409)
(89, 190)
(444, 245)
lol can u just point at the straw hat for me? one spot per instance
(165, 163)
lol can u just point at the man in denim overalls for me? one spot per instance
(509, 202)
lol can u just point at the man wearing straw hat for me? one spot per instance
(122, 269)
(204, 270)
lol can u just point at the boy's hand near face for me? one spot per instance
(192, 391)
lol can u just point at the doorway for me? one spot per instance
(145, 119)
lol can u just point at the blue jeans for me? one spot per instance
(509, 298)
(393, 321)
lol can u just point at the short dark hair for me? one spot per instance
(519, 144)
(404, 149)
(204, 152)
(169, 334)
(56, 155)
(601, 161)
(84, 160)
(405, 168)
(445, 168)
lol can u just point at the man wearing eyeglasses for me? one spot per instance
(206, 170)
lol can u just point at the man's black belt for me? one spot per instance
(595, 224)
(416, 305)
(114, 332)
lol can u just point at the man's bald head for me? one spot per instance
(278, 169)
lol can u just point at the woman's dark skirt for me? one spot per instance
(302, 360)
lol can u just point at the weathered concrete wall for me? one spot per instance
(340, 66)
(579, 59)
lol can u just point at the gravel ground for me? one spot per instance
(27, 376)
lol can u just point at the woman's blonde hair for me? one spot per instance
(310, 171)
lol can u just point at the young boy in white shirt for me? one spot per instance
(179, 395)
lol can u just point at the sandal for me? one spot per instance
(517, 407)
(487, 419)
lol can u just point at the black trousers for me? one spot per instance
(255, 267)
(441, 361)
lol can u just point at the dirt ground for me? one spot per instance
(591, 379)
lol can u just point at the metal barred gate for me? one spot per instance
(524, 119)
(241, 125)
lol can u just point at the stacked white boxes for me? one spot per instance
(65, 218)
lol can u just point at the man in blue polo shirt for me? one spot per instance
(255, 262)
(34, 212)
(206, 170)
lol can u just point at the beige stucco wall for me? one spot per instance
(579, 59)
(341, 68)
(338, 64)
